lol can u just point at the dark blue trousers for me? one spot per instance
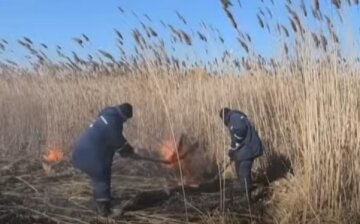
(243, 172)
(102, 186)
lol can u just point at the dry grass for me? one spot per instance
(304, 105)
(314, 121)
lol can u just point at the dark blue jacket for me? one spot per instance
(94, 150)
(244, 138)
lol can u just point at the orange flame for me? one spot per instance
(168, 152)
(53, 155)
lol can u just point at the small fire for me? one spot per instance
(168, 152)
(53, 155)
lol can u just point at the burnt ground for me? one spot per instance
(146, 193)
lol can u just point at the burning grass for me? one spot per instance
(148, 193)
(284, 130)
(304, 104)
(190, 162)
(54, 155)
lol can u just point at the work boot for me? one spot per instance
(103, 208)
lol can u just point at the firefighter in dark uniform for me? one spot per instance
(95, 148)
(245, 146)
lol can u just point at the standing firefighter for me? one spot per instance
(95, 148)
(245, 146)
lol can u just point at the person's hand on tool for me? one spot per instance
(127, 150)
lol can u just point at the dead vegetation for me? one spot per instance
(38, 192)
(303, 102)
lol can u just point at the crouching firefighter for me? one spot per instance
(245, 147)
(95, 148)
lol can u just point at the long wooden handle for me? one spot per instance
(150, 159)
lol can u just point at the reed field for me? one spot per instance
(304, 103)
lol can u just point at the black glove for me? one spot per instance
(127, 150)
(231, 154)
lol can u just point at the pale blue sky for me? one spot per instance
(57, 22)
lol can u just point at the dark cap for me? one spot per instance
(126, 110)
